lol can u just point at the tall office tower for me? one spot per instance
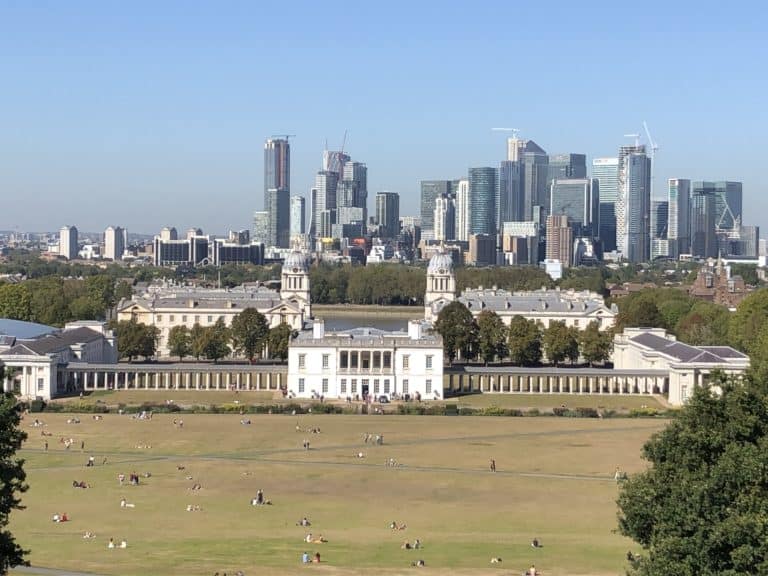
(515, 148)
(559, 239)
(633, 206)
(277, 190)
(323, 199)
(749, 241)
(68, 247)
(510, 201)
(298, 216)
(482, 200)
(333, 161)
(703, 224)
(566, 167)
(606, 172)
(678, 220)
(659, 218)
(430, 191)
(445, 218)
(579, 199)
(462, 210)
(261, 227)
(114, 243)
(535, 171)
(388, 213)
(352, 190)
(728, 197)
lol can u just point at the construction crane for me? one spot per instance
(283, 136)
(635, 136)
(651, 142)
(515, 131)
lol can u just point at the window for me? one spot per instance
(405, 386)
(171, 318)
(375, 385)
(343, 359)
(353, 360)
(684, 393)
(325, 385)
(429, 386)
(210, 319)
(387, 359)
(184, 318)
(301, 385)
(302, 361)
(365, 360)
(376, 360)
(326, 358)
(159, 317)
(386, 386)
(576, 322)
(343, 386)
(406, 362)
(221, 318)
(40, 384)
(197, 319)
(365, 384)
(429, 361)
(354, 385)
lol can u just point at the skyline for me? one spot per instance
(120, 119)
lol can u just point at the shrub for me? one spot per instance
(37, 405)
(586, 412)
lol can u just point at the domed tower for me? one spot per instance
(441, 285)
(294, 285)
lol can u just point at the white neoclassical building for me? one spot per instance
(575, 308)
(169, 305)
(688, 366)
(366, 362)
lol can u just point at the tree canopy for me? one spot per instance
(595, 345)
(560, 342)
(135, 339)
(12, 480)
(458, 329)
(179, 342)
(249, 332)
(278, 340)
(524, 344)
(701, 507)
(216, 341)
(491, 336)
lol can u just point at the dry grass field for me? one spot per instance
(554, 481)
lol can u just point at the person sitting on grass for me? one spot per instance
(535, 543)
(419, 563)
(316, 559)
(111, 543)
(303, 522)
(319, 540)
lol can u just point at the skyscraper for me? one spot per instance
(68, 246)
(510, 201)
(323, 199)
(559, 239)
(728, 198)
(659, 228)
(462, 210)
(566, 167)
(445, 218)
(298, 216)
(114, 243)
(261, 227)
(277, 190)
(678, 220)
(482, 200)
(577, 198)
(388, 213)
(703, 223)
(634, 204)
(352, 190)
(430, 191)
(606, 172)
(535, 172)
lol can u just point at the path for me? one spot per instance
(37, 571)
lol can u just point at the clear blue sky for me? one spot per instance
(144, 114)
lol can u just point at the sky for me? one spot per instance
(147, 114)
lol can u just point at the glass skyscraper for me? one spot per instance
(728, 196)
(298, 216)
(703, 223)
(430, 191)
(277, 190)
(633, 207)
(566, 166)
(678, 220)
(388, 213)
(482, 200)
(606, 172)
(577, 198)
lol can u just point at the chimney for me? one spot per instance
(414, 330)
(318, 329)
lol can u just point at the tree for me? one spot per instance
(560, 342)
(746, 322)
(179, 342)
(458, 329)
(198, 340)
(278, 340)
(524, 342)
(639, 310)
(491, 336)
(217, 341)
(12, 480)
(700, 508)
(705, 325)
(15, 302)
(249, 333)
(134, 339)
(595, 345)
(123, 290)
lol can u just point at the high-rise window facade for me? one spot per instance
(678, 219)
(606, 172)
(388, 213)
(277, 190)
(482, 200)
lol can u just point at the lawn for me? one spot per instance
(554, 482)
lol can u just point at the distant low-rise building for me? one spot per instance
(715, 283)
